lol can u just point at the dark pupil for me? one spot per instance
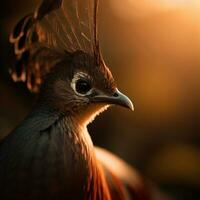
(82, 86)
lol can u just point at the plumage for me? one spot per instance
(50, 155)
(62, 25)
(47, 161)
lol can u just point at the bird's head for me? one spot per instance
(83, 88)
(58, 54)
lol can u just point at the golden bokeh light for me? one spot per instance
(161, 42)
(148, 7)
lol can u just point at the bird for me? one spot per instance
(50, 154)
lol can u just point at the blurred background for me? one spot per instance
(153, 50)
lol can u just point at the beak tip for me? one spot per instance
(132, 107)
(124, 101)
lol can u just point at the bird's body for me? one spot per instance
(51, 155)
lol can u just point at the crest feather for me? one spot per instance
(56, 27)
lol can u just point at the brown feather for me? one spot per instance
(57, 26)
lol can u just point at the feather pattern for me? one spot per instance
(50, 156)
(56, 27)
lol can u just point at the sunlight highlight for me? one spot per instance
(131, 8)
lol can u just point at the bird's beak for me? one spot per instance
(116, 99)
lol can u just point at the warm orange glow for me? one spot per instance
(161, 41)
(146, 7)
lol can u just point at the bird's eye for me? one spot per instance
(82, 86)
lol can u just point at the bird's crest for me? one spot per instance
(57, 26)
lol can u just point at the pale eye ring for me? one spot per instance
(81, 84)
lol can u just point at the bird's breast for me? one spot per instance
(49, 158)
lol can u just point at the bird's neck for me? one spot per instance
(82, 150)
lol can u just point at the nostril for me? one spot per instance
(115, 94)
